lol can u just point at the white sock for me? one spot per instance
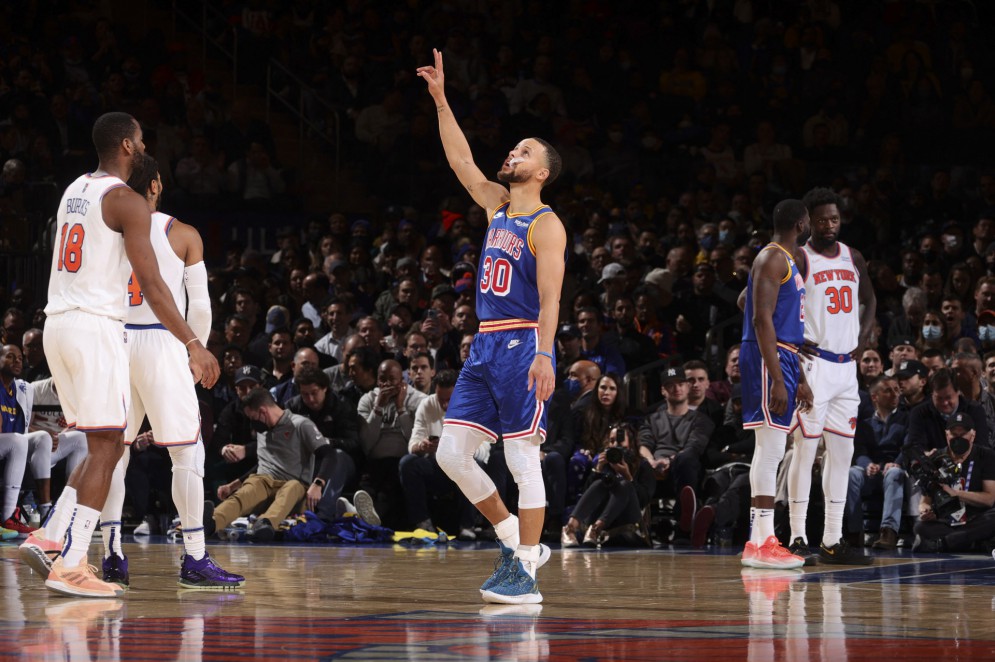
(800, 483)
(765, 524)
(110, 533)
(529, 556)
(507, 532)
(188, 495)
(835, 480)
(81, 526)
(58, 521)
(798, 510)
(754, 534)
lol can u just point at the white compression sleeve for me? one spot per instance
(199, 300)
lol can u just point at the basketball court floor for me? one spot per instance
(395, 603)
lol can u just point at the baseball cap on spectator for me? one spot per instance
(911, 367)
(443, 290)
(960, 420)
(248, 373)
(568, 330)
(407, 261)
(613, 270)
(276, 317)
(674, 374)
(898, 342)
(659, 278)
(466, 248)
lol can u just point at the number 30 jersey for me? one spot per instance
(89, 267)
(832, 317)
(507, 285)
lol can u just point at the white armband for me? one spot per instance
(198, 301)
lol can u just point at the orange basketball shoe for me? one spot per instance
(39, 552)
(749, 554)
(80, 582)
(771, 554)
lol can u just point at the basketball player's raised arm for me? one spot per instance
(768, 272)
(195, 279)
(550, 241)
(868, 303)
(485, 193)
(127, 212)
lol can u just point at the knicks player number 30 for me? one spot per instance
(497, 276)
(840, 299)
(71, 247)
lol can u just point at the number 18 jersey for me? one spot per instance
(833, 312)
(507, 283)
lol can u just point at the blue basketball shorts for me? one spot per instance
(756, 387)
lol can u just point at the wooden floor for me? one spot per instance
(387, 603)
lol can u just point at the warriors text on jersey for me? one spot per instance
(789, 312)
(831, 285)
(170, 267)
(507, 287)
(89, 268)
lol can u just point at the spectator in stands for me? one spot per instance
(698, 400)
(594, 346)
(304, 359)
(387, 416)
(420, 474)
(968, 372)
(673, 440)
(870, 366)
(279, 368)
(636, 348)
(720, 390)
(285, 477)
(421, 372)
(876, 471)
(927, 420)
(336, 420)
(336, 317)
(35, 364)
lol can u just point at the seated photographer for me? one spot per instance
(958, 485)
(877, 445)
(620, 487)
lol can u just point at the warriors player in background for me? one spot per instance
(773, 329)
(504, 384)
(840, 309)
(104, 236)
(162, 389)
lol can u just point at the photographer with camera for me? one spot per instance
(620, 487)
(964, 471)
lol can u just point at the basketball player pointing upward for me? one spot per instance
(509, 375)
(773, 329)
(841, 308)
(104, 234)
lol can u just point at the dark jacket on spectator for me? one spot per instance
(667, 436)
(927, 427)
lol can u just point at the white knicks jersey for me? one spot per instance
(832, 309)
(89, 265)
(170, 268)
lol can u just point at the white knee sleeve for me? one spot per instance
(455, 456)
(188, 484)
(522, 456)
(766, 458)
(40, 454)
(188, 458)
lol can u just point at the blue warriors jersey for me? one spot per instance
(789, 313)
(11, 416)
(507, 288)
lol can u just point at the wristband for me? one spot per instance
(546, 354)
(320, 482)
(187, 343)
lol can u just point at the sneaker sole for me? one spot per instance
(36, 559)
(746, 563)
(497, 598)
(364, 506)
(67, 589)
(219, 588)
(778, 565)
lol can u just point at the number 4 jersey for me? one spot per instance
(833, 313)
(89, 267)
(170, 268)
(507, 280)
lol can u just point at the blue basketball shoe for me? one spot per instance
(515, 587)
(205, 575)
(505, 561)
(116, 570)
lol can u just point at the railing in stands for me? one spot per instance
(635, 383)
(715, 348)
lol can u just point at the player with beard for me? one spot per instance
(838, 323)
(509, 375)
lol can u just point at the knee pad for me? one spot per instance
(188, 458)
(522, 457)
(455, 456)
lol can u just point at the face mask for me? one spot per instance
(987, 333)
(708, 242)
(931, 332)
(725, 237)
(959, 445)
(573, 387)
